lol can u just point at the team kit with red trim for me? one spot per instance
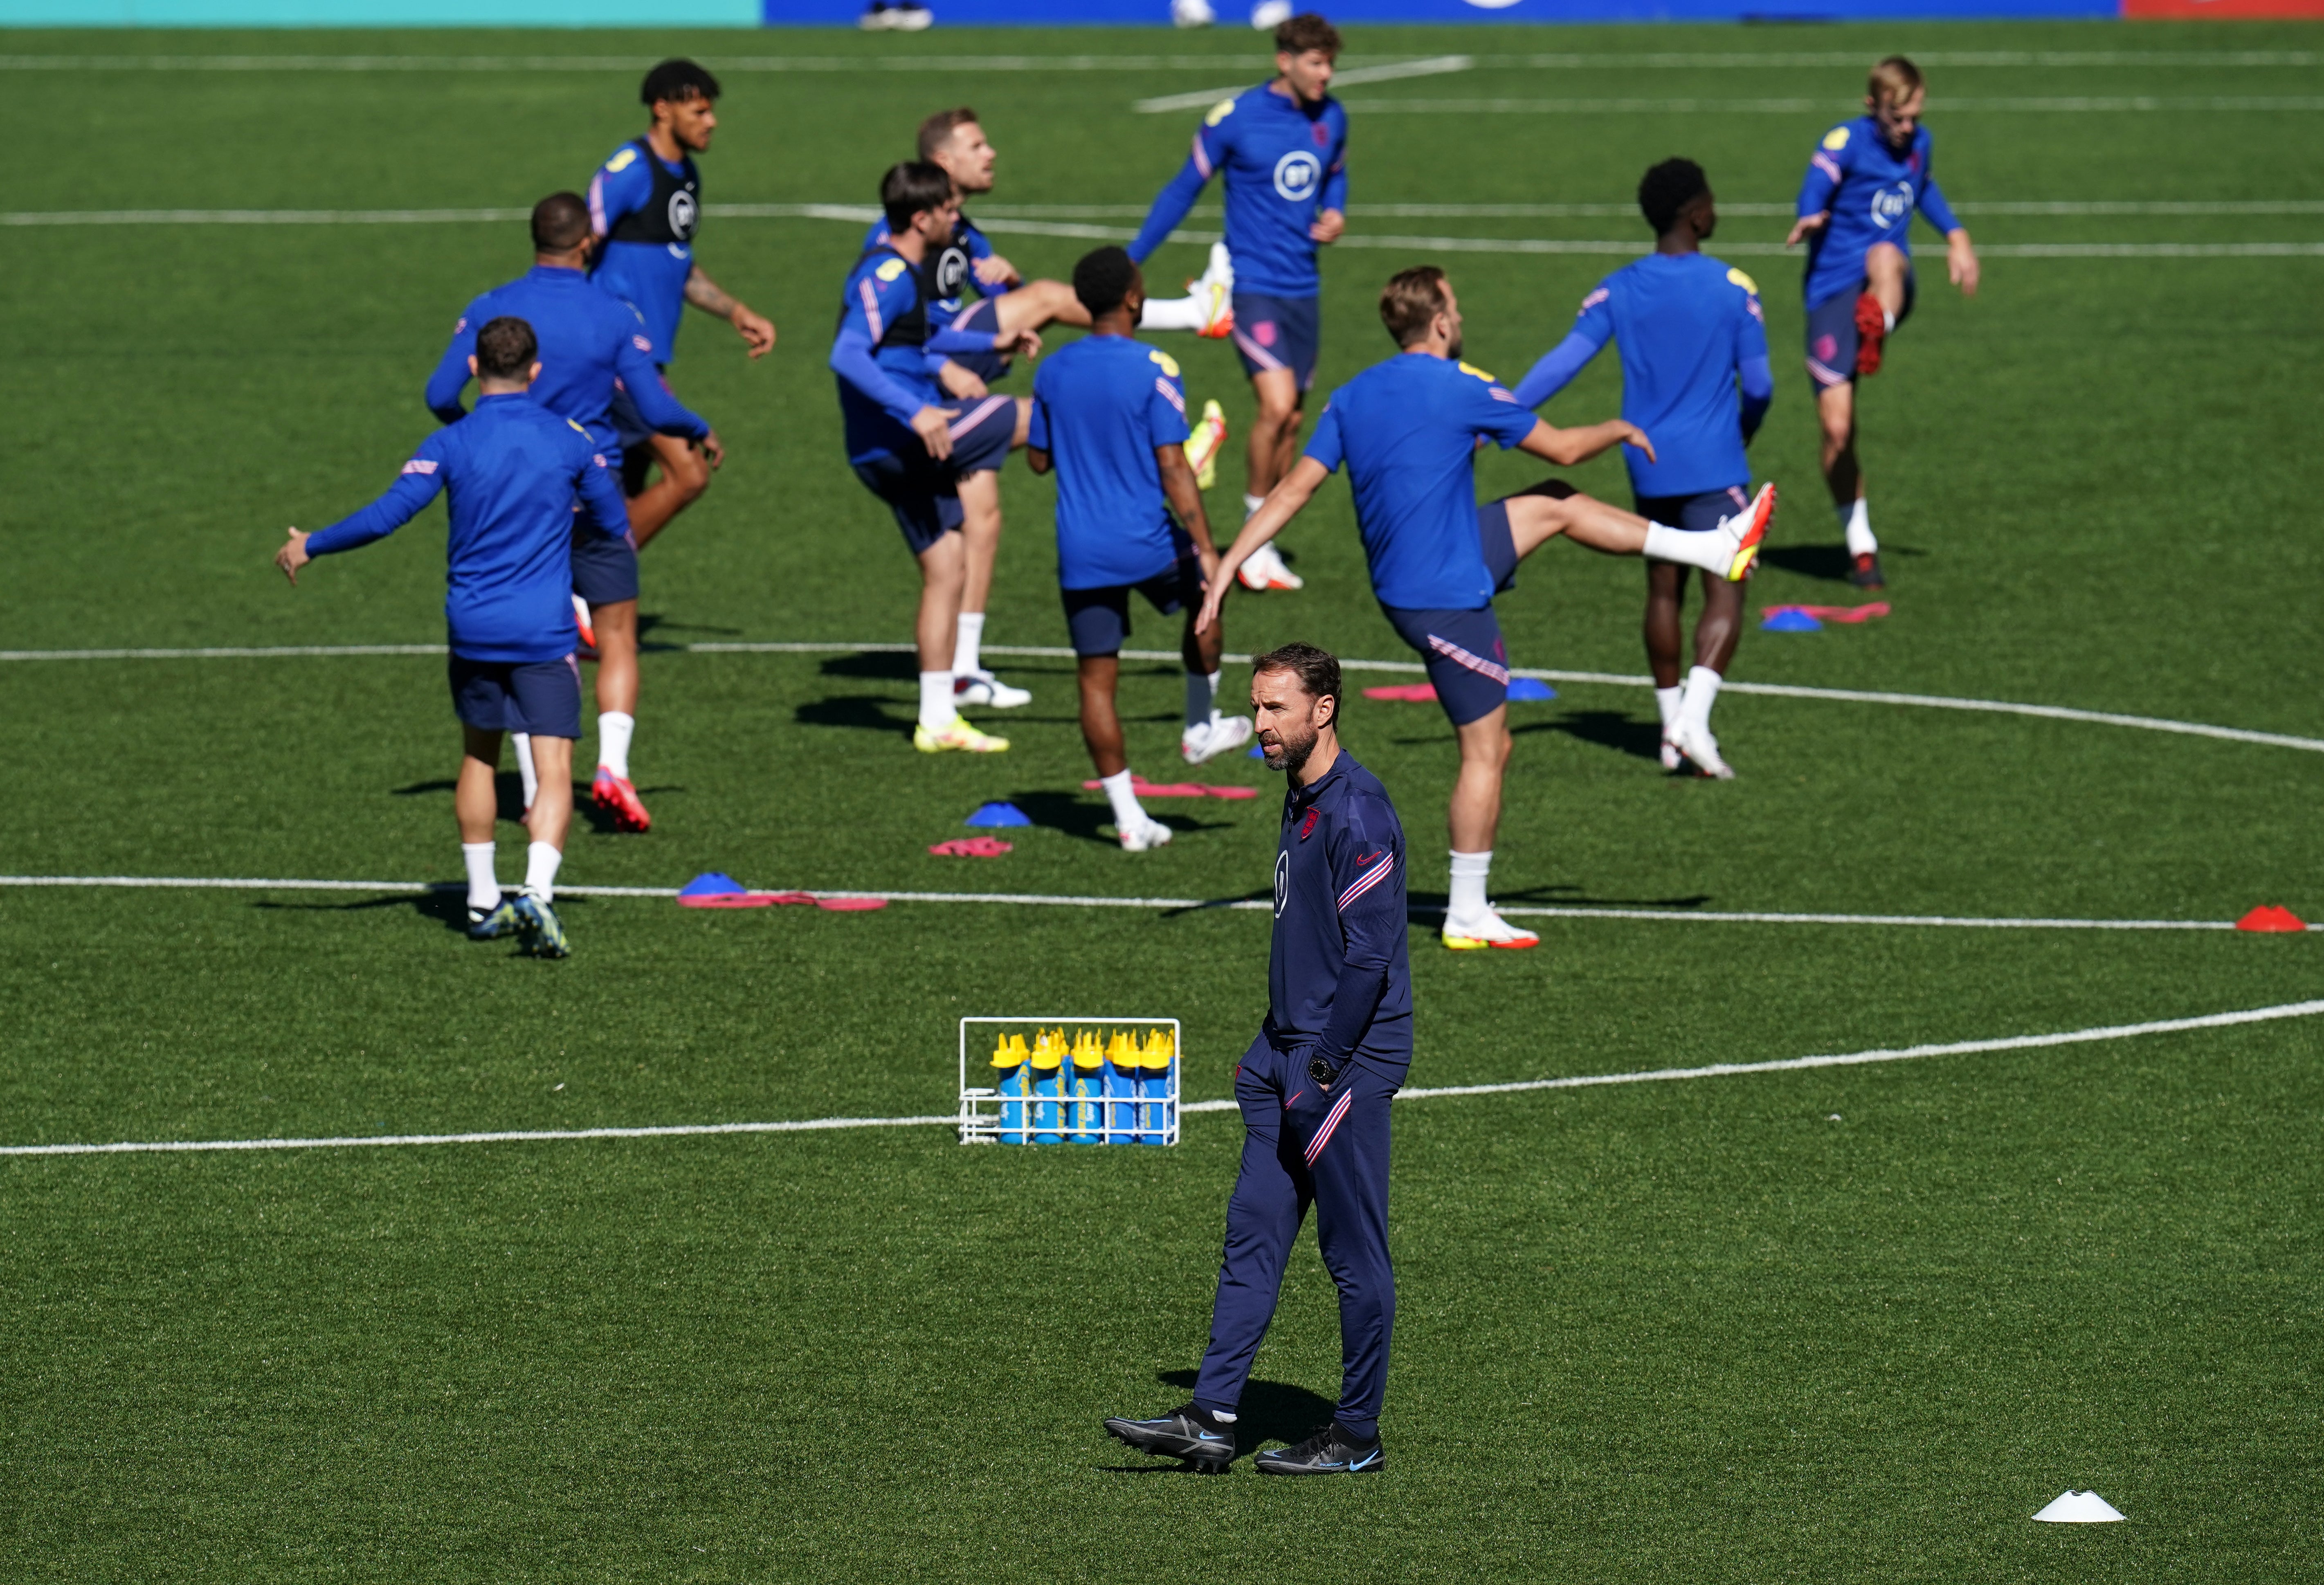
(552, 491)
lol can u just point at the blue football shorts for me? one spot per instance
(1098, 619)
(1464, 656)
(1696, 514)
(1495, 539)
(542, 697)
(923, 492)
(983, 315)
(1278, 333)
(604, 569)
(1831, 335)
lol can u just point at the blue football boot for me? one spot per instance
(542, 933)
(1187, 1434)
(501, 920)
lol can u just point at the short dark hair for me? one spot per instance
(505, 349)
(560, 222)
(910, 187)
(1102, 278)
(677, 82)
(1410, 301)
(1307, 30)
(936, 130)
(1318, 670)
(1668, 188)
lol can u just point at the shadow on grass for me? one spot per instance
(1829, 562)
(507, 787)
(651, 624)
(447, 903)
(1608, 728)
(1427, 908)
(858, 710)
(1271, 1411)
(893, 665)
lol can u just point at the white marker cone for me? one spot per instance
(2080, 1508)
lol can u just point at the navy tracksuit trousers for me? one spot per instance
(1304, 1144)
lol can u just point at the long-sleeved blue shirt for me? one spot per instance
(1284, 164)
(1691, 330)
(589, 340)
(886, 352)
(646, 211)
(513, 470)
(1339, 972)
(1871, 191)
(951, 273)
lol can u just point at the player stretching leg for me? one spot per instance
(1007, 304)
(645, 204)
(1856, 211)
(1313, 1088)
(591, 344)
(1283, 146)
(1408, 429)
(1109, 415)
(916, 454)
(1691, 330)
(514, 470)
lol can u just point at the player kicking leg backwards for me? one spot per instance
(1313, 1088)
(920, 456)
(1282, 146)
(1692, 333)
(1863, 183)
(1109, 417)
(1407, 430)
(513, 470)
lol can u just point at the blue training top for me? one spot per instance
(589, 340)
(645, 210)
(1871, 191)
(1688, 328)
(951, 277)
(513, 469)
(1100, 405)
(886, 352)
(1339, 972)
(1284, 164)
(1407, 429)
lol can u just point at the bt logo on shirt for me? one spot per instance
(1892, 203)
(1296, 174)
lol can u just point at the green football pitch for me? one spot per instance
(1841, 1323)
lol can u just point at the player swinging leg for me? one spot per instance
(1407, 430)
(591, 344)
(920, 456)
(1856, 206)
(1313, 1088)
(513, 470)
(1006, 305)
(1283, 146)
(1110, 416)
(1689, 330)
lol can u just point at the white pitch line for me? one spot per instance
(2234, 734)
(2296, 1010)
(2089, 105)
(1203, 99)
(1853, 62)
(1628, 210)
(1176, 904)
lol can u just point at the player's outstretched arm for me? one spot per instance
(757, 331)
(292, 554)
(1282, 504)
(1567, 448)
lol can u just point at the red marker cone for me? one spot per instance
(2267, 917)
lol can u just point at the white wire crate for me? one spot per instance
(1068, 1101)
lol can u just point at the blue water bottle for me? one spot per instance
(1008, 1059)
(1121, 1092)
(1088, 1112)
(1047, 1059)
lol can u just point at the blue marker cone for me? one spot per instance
(712, 883)
(1790, 622)
(1529, 690)
(1257, 752)
(999, 814)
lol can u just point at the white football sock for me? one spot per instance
(1468, 894)
(1202, 699)
(1219, 269)
(1887, 322)
(1251, 504)
(615, 728)
(523, 743)
(1128, 814)
(965, 645)
(1711, 552)
(936, 700)
(1175, 313)
(1666, 702)
(1701, 693)
(540, 862)
(1858, 522)
(484, 890)
(1221, 1417)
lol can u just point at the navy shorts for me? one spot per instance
(542, 697)
(1697, 514)
(1831, 334)
(983, 315)
(1278, 333)
(1098, 619)
(1464, 653)
(1496, 539)
(924, 492)
(604, 569)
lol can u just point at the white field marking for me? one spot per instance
(2296, 1010)
(2234, 734)
(1625, 209)
(1178, 904)
(1853, 62)
(2082, 105)
(1203, 99)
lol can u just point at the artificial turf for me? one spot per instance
(1837, 1324)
